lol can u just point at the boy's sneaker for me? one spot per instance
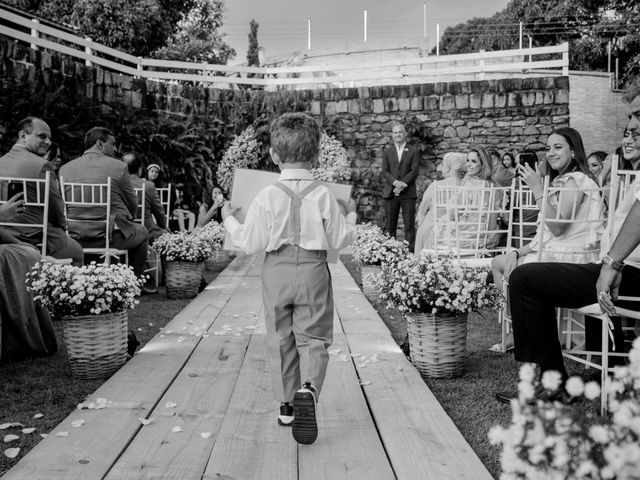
(285, 419)
(305, 428)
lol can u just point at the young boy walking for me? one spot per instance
(296, 220)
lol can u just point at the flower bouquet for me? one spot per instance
(372, 249)
(552, 440)
(436, 294)
(333, 164)
(184, 254)
(92, 302)
(243, 152)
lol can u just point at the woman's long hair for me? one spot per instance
(579, 158)
(485, 159)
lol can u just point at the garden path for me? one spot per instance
(196, 403)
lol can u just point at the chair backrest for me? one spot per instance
(580, 241)
(165, 200)
(523, 216)
(88, 204)
(36, 196)
(140, 211)
(623, 184)
(466, 220)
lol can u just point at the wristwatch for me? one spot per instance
(607, 260)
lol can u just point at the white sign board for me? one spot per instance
(246, 185)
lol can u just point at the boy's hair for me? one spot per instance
(295, 137)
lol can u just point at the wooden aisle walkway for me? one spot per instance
(202, 389)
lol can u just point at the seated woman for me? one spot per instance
(561, 241)
(452, 167)
(468, 231)
(26, 328)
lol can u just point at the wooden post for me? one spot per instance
(139, 66)
(565, 59)
(365, 26)
(35, 33)
(520, 35)
(530, 45)
(309, 34)
(437, 38)
(615, 85)
(89, 51)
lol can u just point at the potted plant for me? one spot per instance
(92, 302)
(435, 294)
(220, 258)
(183, 254)
(371, 250)
(555, 440)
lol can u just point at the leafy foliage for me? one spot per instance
(252, 52)
(587, 25)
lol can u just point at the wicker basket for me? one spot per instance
(368, 287)
(96, 344)
(437, 343)
(218, 261)
(182, 279)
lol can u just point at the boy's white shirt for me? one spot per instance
(322, 225)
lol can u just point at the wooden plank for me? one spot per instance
(348, 445)
(250, 444)
(201, 393)
(420, 438)
(133, 392)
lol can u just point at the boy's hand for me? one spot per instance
(347, 207)
(228, 210)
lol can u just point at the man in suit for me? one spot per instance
(400, 167)
(154, 214)
(25, 160)
(96, 165)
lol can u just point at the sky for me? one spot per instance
(340, 23)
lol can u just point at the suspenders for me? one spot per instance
(296, 203)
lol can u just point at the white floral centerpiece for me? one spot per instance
(436, 285)
(215, 232)
(243, 152)
(367, 244)
(184, 247)
(93, 289)
(551, 440)
(333, 164)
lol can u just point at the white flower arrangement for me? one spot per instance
(333, 164)
(215, 232)
(366, 246)
(88, 290)
(244, 152)
(547, 440)
(185, 247)
(436, 285)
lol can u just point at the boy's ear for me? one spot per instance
(274, 156)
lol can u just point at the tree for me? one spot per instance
(252, 53)
(198, 37)
(588, 25)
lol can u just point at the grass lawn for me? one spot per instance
(44, 385)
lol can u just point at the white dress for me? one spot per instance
(580, 242)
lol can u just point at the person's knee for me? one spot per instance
(497, 263)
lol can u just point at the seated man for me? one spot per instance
(25, 160)
(154, 215)
(536, 289)
(96, 165)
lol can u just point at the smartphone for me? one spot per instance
(14, 188)
(527, 158)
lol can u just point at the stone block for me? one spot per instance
(404, 104)
(463, 132)
(500, 100)
(342, 106)
(488, 100)
(378, 105)
(531, 130)
(428, 89)
(562, 96)
(450, 132)
(127, 98)
(363, 92)
(462, 101)
(515, 99)
(447, 102)
(353, 106)
(547, 97)
(314, 108)
(558, 119)
(432, 102)
(330, 108)
(547, 83)
(528, 98)
(562, 83)
(391, 105)
(475, 100)
(417, 103)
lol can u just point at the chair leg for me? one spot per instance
(605, 367)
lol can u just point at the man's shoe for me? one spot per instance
(285, 419)
(305, 427)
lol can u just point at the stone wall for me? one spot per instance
(503, 114)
